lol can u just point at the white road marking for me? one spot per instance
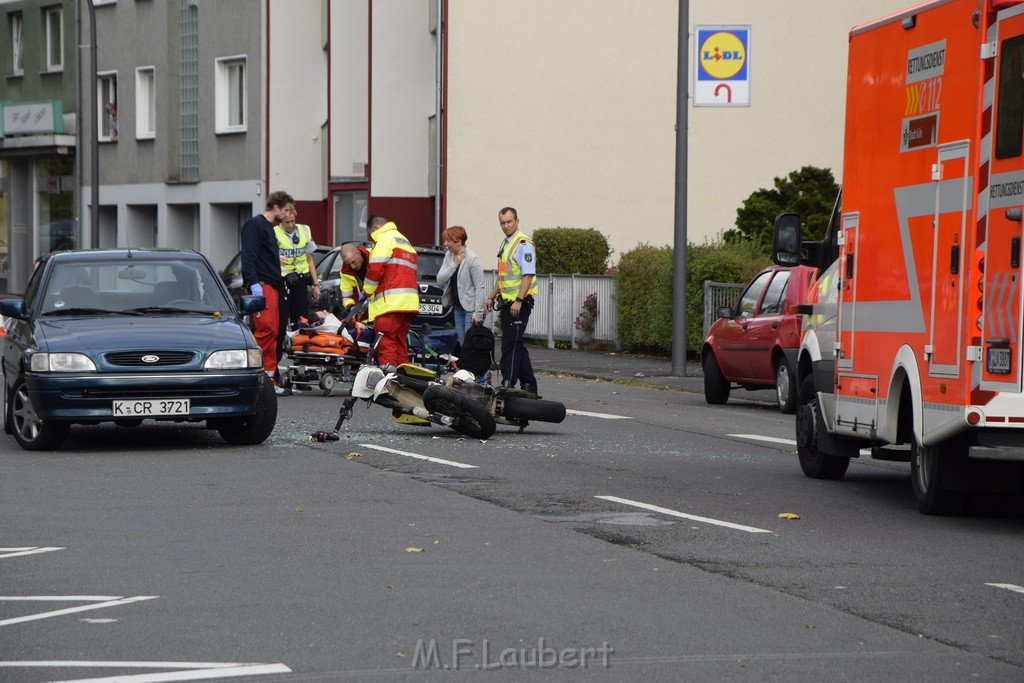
(1007, 586)
(72, 610)
(63, 598)
(676, 513)
(769, 439)
(18, 552)
(418, 456)
(603, 416)
(188, 671)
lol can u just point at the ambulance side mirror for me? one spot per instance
(786, 239)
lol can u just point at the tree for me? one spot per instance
(810, 192)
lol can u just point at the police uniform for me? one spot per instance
(516, 258)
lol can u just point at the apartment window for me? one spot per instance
(106, 98)
(17, 44)
(54, 19)
(145, 103)
(231, 95)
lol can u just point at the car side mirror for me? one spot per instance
(726, 312)
(14, 308)
(786, 239)
(253, 304)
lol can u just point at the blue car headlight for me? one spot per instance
(62, 362)
(234, 359)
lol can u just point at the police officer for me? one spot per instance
(513, 292)
(295, 248)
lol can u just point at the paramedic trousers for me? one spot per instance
(267, 324)
(394, 345)
(515, 359)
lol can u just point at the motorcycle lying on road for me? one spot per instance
(419, 396)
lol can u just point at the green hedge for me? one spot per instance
(644, 281)
(584, 251)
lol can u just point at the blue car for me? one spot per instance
(125, 336)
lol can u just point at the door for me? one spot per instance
(1001, 312)
(731, 340)
(763, 329)
(952, 204)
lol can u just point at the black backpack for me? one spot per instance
(477, 350)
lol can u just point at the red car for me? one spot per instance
(755, 344)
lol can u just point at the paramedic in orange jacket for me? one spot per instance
(391, 286)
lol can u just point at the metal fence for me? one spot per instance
(716, 295)
(560, 298)
(559, 303)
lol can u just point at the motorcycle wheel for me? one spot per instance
(535, 409)
(471, 418)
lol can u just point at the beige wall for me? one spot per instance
(566, 110)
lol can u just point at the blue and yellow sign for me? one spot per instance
(722, 66)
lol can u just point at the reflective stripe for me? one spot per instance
(510, 276)
(294, 253)
(391, 281)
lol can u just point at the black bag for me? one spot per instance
(477, 350)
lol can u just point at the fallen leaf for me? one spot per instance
(353, 454)
(390, 586)
(437, 542)
(399, 654)
(414, 550)
(299, 510)
(788, 515)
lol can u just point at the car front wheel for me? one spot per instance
(31, 432)
(256, 428)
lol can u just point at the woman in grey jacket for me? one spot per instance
(462, 274)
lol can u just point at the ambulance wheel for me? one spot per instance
(933, 497)
(716, 388)
(785, 388)
(471, 418)
(813, 462)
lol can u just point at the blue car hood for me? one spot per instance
(113, 333)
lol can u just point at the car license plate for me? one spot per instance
(998, 360)
(151, 407)
(431, 309)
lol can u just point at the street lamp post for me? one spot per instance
(94, 137)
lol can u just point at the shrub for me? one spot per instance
(571, 250)
(587, 319)
(644, 281)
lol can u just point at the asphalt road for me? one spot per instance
(526, 556)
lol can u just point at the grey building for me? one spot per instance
(38, 160)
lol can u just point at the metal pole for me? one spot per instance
(679, 250)
(438, 103)
(94, 137)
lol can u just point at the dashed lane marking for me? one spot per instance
(603, 416)
(1007, 586)
(676, 513)
(69, 610)
(18, 552)
(769, 439)
(186, 671)
(418, 456)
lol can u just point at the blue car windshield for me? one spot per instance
(125, 285)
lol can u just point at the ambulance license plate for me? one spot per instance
(997, 360)
(151, 408)
(431, 309)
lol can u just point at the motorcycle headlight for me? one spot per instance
(62, 362)
(234, 359)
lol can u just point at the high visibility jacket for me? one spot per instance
(352, 281)
(391, 283)
(510, 275)
(293, 252)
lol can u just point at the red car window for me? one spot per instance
(775, 297)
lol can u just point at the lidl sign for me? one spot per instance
(722, 66)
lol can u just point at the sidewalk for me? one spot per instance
(641, 370)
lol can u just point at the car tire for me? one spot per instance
(32, 433)
(716, 389)
(785, 388)
(253, 429)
